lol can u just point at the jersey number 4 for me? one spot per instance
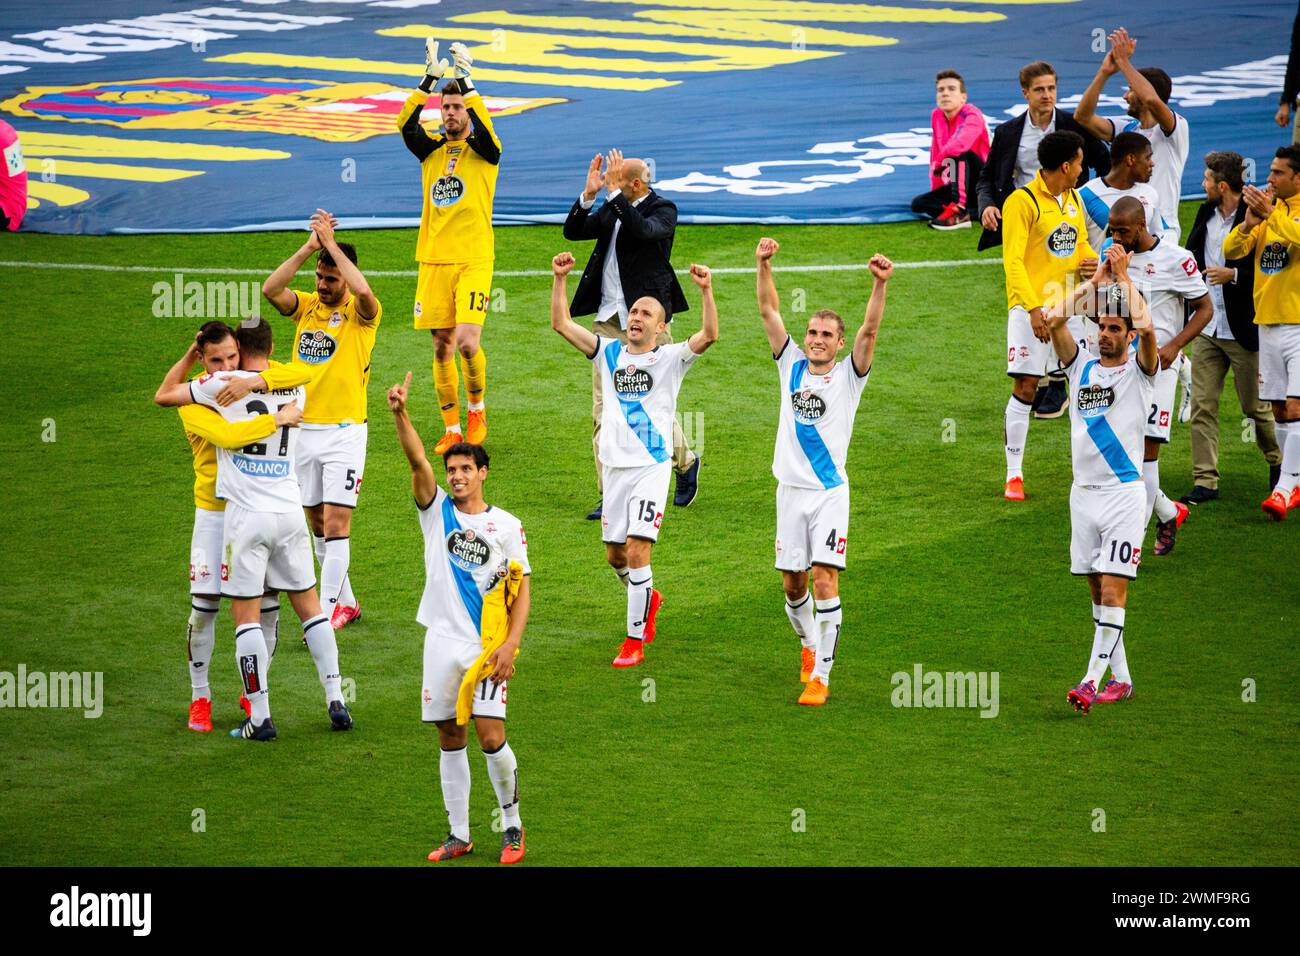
(835, 543)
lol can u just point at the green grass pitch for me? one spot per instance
(721, 766)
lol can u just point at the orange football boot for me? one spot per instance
(451, 848)
(201, 715)
(1275, 506)
(476, 427)
(815, 694)
(807, 661)
(631, 653)
(1014, 490)
(656, 601)
(512, 845)
(449, 438)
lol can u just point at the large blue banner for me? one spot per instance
(154, 115)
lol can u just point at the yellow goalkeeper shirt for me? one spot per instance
(459, 178)
(1276, 247)
(206, 428)
(1043, 239)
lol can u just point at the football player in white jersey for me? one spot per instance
(819, 400)
(1147, 97)
(469, 546)
(1109, 401)
(1170, 282)
(1129, 175)
(265, 539)
(640, 385)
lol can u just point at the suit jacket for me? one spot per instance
(1239, 296)
(645, 243)
(996, 181)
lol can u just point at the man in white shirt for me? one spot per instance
(1148, 106)
(634, 231)
(1231, 340)
(1129, 175)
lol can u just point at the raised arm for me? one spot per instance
(276, 287)
(708, 333)
(769, 303)
(423, 484)
(864, 343)
(1121, 49)
(580, 224)
(322, 225)
(584, 340)
(1085, 114)
(287, 375)
(1148, 354)
(416, 138)
(174, 391)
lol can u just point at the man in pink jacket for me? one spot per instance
(13, 179)
(959, 145)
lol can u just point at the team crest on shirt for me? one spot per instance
(631, 382)
(1063, 240)
(467, 549)
(808, 406)
(418, 310)
(1149, 270)
(447, 190)
(1071, 209)
(315, 346)
(1094, 400)
(1274, 258)
(335, 320)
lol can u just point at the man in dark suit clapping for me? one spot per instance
(633, 230)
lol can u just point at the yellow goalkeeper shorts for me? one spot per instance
(450, 293)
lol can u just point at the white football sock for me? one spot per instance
(318, 548)
(622, 575)
(251, 656)
(1288, 438)
(1119, 664)
(1016, 430)
(829, 616)
(801, 618)
(1105, 636)
(325, 652)
(346, 597)
(1157, 500)
(200, 639)
(271, 624)
(640, 585)
(333, 571)
(503, 770)
(453, 768)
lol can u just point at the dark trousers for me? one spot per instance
(961, 174)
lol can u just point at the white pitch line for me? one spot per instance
(521, 273)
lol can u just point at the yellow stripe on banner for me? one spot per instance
(56, 193)
(543, 49)
(835, 12)
(139, 174)
(412, 73)
(74, 144)
(684, 24)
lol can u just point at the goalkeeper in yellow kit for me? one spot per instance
(455, 248)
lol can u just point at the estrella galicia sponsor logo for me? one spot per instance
(261, 467)
(631, 382)
(1274, 258)
(1063, 241)
(1094, 400)
(315, 347)
(809, 407)
(447, 190)
(467, 549)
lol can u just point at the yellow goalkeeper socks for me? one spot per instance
(474, 369)
(447, 384)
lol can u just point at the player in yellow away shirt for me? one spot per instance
(1044, 246)
(336, 329)
(1270, 231)
(455, 246)
(217, 349)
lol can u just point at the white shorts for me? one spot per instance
(330, 462)
(1279, 362)
(445, 664)
(812, 527)
(633, 506)
(1161, 413)
(266, 552)
(207, 569)
(1028, 356)
(1106, 529)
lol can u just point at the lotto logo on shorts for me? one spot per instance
(1274, 258)
(225, 572)
(1164, 419)
(1063, 241)
(447, 190)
